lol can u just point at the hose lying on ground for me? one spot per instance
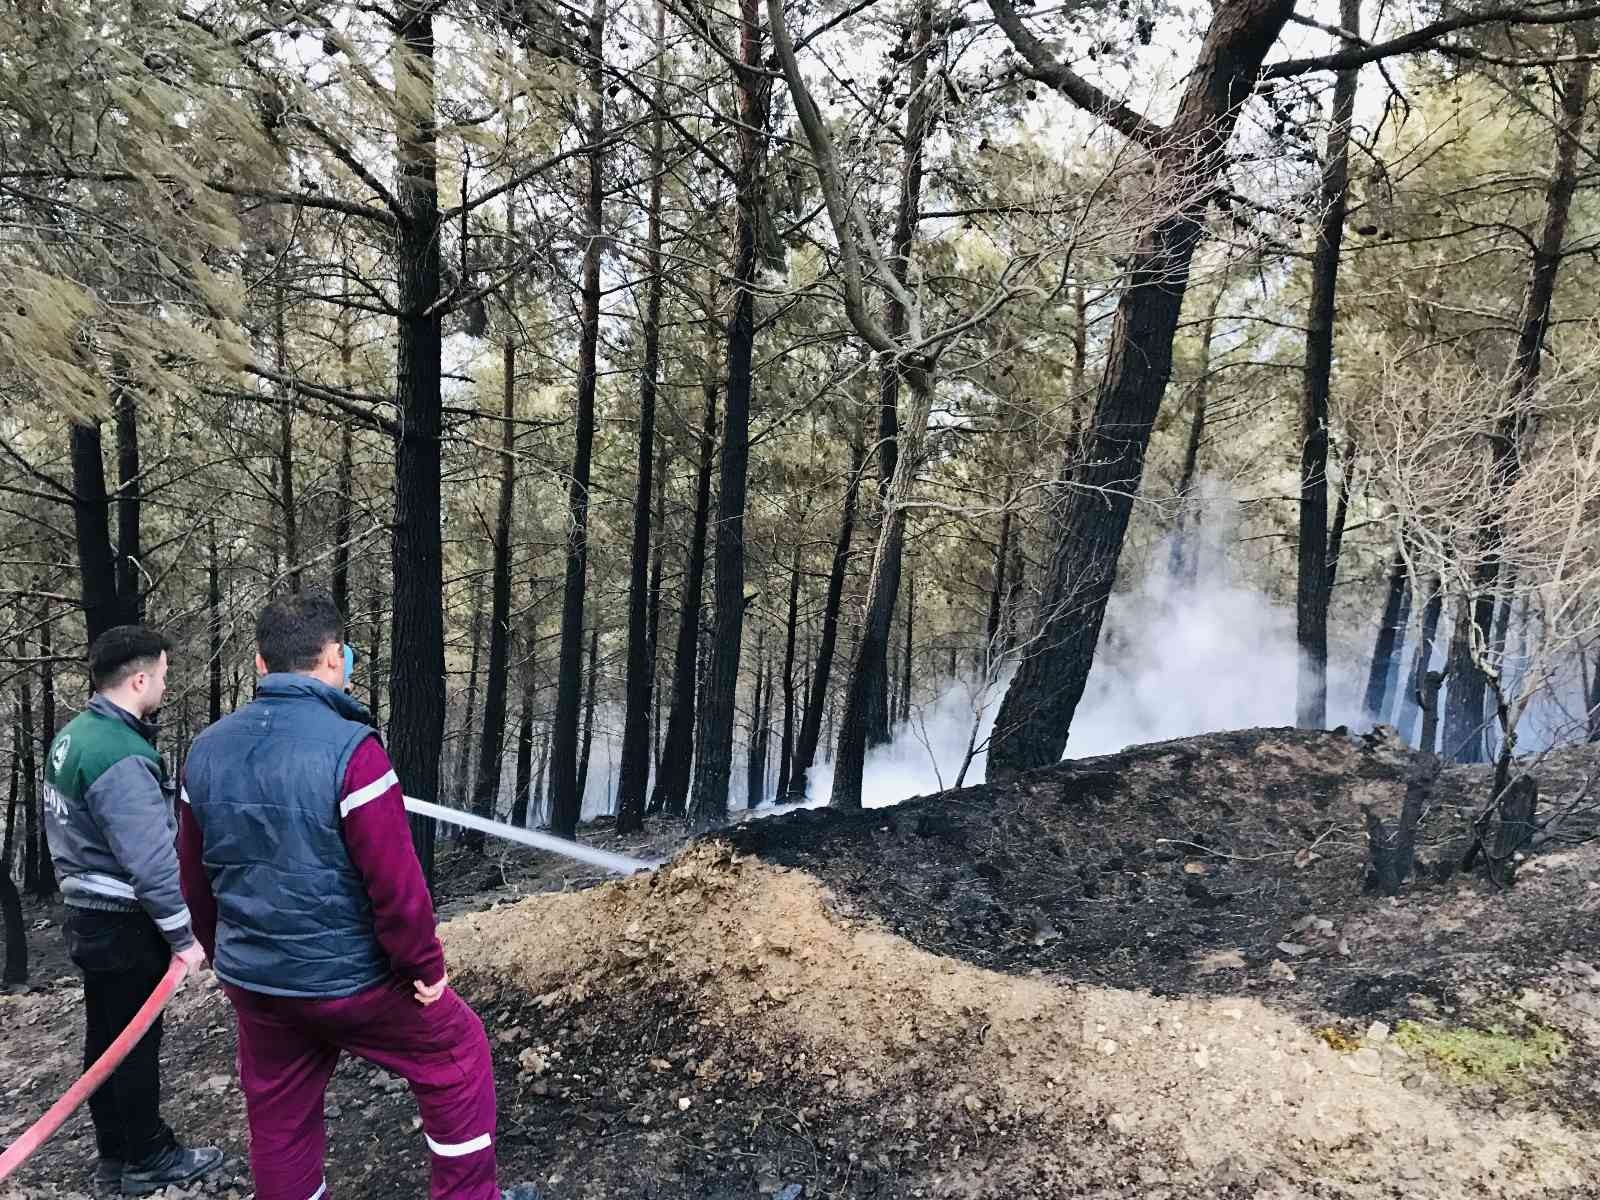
(39, 1132)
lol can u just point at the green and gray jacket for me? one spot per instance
(110, 820)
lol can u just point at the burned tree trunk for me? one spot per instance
(47, 735)
(791, 619)
(1391, 632)
(588, 715)
(850, 754)
(566, 790)
(671, 791)
(1314, 583)
(715, 763)
(16, 933)
(130, 552)
(640, 680)
(756, 763)
(1100, 485)
(343, 522)
(1391, 855)
(91, 514)
(463, 788)
(1432, 682)
(1411, 700)
(214, 625)
(32, 817)
(1465, 710)
(286, 499)
(1184, 562)
(416, 675)
(805, 752)
(491, 744)
(524, 778)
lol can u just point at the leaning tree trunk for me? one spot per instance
(1390, 628)
(1313, 586)
(1464, 711)
(492, 742)
(1034, 719)
(671, 792)
(640, 681)
(416, 675)
(850, 754)
(713, 768)
(805, 751)
(566, 794)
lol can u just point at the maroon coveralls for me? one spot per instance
(289, 1046)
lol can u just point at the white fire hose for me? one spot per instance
(621, 864)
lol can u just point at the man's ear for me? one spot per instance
(261, 665)
(333, 658)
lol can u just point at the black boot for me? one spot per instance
(171, 1167)
(108, 1177)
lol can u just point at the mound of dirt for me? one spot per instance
(724, 983)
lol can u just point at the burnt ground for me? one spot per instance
(1153, 867)
(1203, 870)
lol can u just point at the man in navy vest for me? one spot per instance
(304, 889)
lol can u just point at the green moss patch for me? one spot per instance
(1498, 1055)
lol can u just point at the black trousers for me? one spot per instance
(122, 956)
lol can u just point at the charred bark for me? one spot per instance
(671, 791)
(416, 675)
(566, 789)
(811, 722)
(1034, 719)
(713, 767)
(1314, 582)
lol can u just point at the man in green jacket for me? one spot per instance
(112, 828)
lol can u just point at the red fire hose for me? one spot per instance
(39, 1132)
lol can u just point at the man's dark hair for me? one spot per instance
(293, 630)
(122, 652)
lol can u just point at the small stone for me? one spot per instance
(1202, 1058)
(1119, 1123)
(683, 1103)
(1294, 949)
(1281, 970)
(1108, 1047)
(1411, 1082)
(1377, 1033)
(333, 1112)
(1366, 1061)
(792, 1191)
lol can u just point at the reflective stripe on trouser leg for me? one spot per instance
(455, 1093)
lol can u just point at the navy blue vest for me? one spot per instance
(293, 918)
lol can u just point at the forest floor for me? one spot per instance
(1154, 974)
